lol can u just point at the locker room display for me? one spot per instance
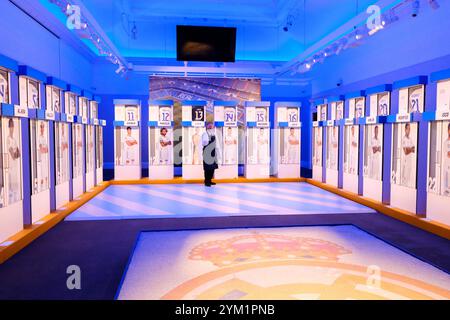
(12, 146)
(438, 178)
(355, 105)
(70, 109)
(367, 143)
(227, 134)
(60, 142)
(373, 131)
(41, 114)
(160, 139)
(127, 139)
(89, 137)
(405, 131)
(336, 113)
(98, 125)
(35, 115)
(286, 140)
(257, 160)
(317, 139)
(193, 126)
(76, 105)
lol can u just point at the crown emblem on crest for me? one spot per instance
(257, 247)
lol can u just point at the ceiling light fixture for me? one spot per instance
(88, 32)
(120, 69)
(354, 37)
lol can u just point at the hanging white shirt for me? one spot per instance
(43, 158)
(64, 158)
(13, 172)
(293, 149)
(333, 152)
(446, 178)
(353, 154)
(408, 163)
(164, 151)
(375, 159)
(130, 154)
(230, 148)
(262, 149)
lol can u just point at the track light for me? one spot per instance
(85, 30)
(120, 69)
(342, 44)
(355, 37)
(376, 28)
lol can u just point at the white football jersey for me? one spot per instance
(415, 100)
(383, 106)
(447, 150)
(56, 101)
(359, 108)
(3, 89)
(407, 142)
(261, 114)
(33, 95)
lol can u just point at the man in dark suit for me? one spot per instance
(209, 154)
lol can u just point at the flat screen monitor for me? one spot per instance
(209, 44)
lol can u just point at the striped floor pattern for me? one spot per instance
(195, 200)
